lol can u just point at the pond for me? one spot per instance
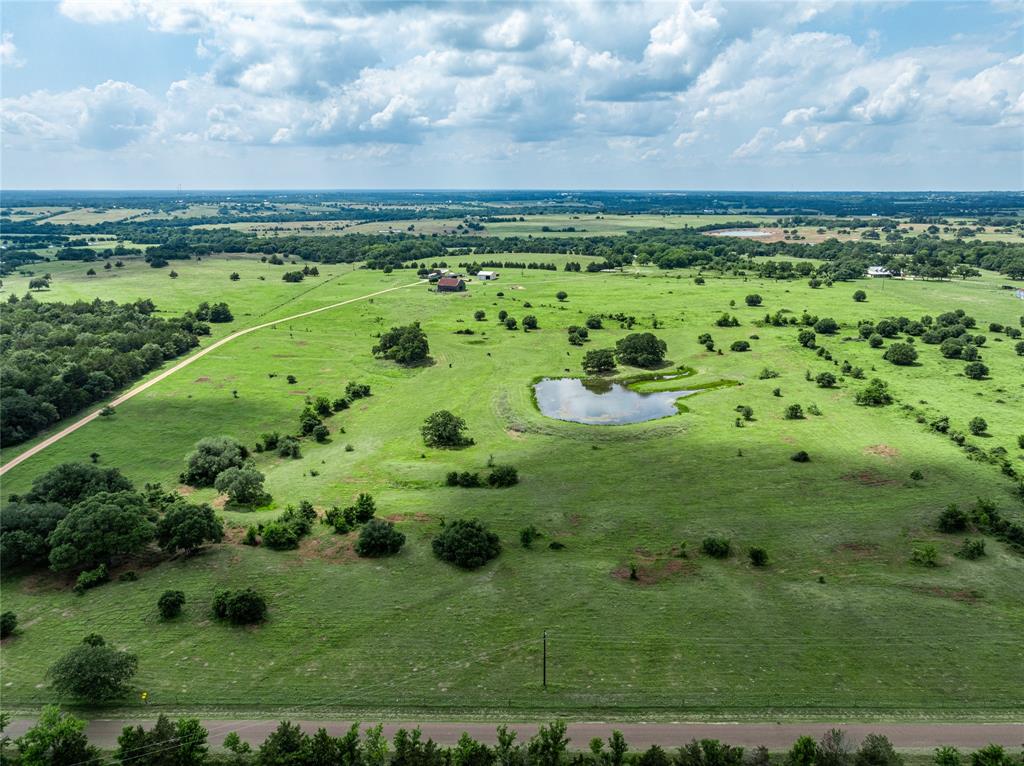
(740, 233)
(601, 403)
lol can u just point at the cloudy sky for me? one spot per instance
(697, 94)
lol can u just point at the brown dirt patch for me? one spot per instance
(964, 595)
(296, 391)
(515, 434)
(882, 450)
(655, 571)
(869, 478)
(302, 343)
(185, 490)
(337, 549)
(418, 516)
(219, 502)
(858, 550)
(202, 379)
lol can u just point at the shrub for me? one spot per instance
(925, 555)
(767, 374)
(529, 322)
(527, 535)
(875, 340)
(874, 394)
(801, 457)
(900, 354)
(479, 315)
(321, 433)
(503, 476)
(739, 345)
(466, 543)
(825, 379)
(186, 527)
(826, 326)
(210, 458)
(971, 549)
(8, 622)
(745, 411)
(716, 547)
(593, 323)
(860, 296)
(641, 350)
(976, 371)
(379, 538)
(561, 295)
(952, 520)
(405, 345)
(463, 479)
(758, 556)
(977, 426)
(1019, 348)
(916, 475)
(240, 607)
(244, 486)
(806, 338)
(793, 412)
(753, 300)
(280, 536)
(170, 603)
(289, 447)
(510, 323)
(92, 578)
(599, 361)
(443, 429)
(876, 750)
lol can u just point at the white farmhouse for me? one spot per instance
(878, 271)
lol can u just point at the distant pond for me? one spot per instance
(740, 233)
(601, 403)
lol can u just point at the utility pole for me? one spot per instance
(545, 674)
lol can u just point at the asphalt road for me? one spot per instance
(904, 736)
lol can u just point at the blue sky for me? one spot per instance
(694, 94)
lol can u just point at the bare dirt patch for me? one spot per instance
(185, 490)
(514, 433)
(859, 550)
(418, 516)
(882, 450)
(203, 379)
(869, 478)
(964, 595)
(337, 549)
(219, 502)
(653, 568)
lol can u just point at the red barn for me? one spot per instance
(450, 285)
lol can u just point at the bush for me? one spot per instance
(753, 300)
(321, 433)
(529, 322)
(801, 457)
(8, 622)
(240, 607)
(443, 429)
(716, 547)
(92, 578)
(510, 323)
(739, 345)
(925, 555)
(527, 535)
(976, 371)
(971, 549)
(593, 323)
(900, 354)
(463, 479)
(793, 412)
(860, 296)
(874, 394)
(977, 426)
(405, 345)
(244, 486)
(466, 543)
(280, 536)
(825, 379)
(170, 604)
(599, 361)
(758, 556)
(826, 326)
(186, 527)
(210, 458)
(561, 295)
(806, 338)
(93, 671)
(379, 538)
(875, 340)
(355, 390)
(503, 476)
(952, 520)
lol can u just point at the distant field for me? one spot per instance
(88, 216)
(840, 623)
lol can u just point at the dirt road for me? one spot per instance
(34, 450)
(904, 736)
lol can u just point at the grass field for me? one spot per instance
(693, 637)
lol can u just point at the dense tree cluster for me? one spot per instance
(405, 345)
(467, 543)
(56, 358)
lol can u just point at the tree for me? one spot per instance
(901, 354)
(57, 740)
(100, 529)
(977, 426)
(803, 753)
(947, 756)
(503, 476)
(170, 603)
(594, 323)
(529, 322)
(466, 543)
(826, 326)
(24, 529)
(185, 527)
(875, 340)
(991, 755)
(976, 371)
(406, 345)
(561, 295)
(598, 361)
(444, 429)
(510, 323)
(240, 607)
(825, 379)
(244, 486)
(860, 296)
(285, 745)
(641, 350)
(952, 520)
(709, 752)
(479, 315)
(93, 671)
(753, 300)
(70, 483)
(806, 338)
(210, 457)
(739, 345)
(654, 756)
(379, 538)
(548, 746)
(8, 623)
(758, 556)
(166, 744)
(716, 547)
(876, 750)
(39, 283)
(793, 412)
(874, 394)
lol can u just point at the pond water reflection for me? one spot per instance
(599, 402)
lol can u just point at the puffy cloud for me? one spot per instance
(994, 96)
(9, 52)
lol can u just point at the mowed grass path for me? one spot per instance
(695, 637)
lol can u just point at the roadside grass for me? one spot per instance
(697, 637)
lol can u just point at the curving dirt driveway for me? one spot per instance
(22, 457)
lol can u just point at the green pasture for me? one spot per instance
(839, 624)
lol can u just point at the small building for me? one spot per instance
(450, 285)
(878, 271)
(487, 275)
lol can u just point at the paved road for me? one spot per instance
(22, 457)
(104, 732)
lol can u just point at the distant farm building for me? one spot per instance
(878, 271)
(1019, 294)
(487, 275)
(450, 285)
